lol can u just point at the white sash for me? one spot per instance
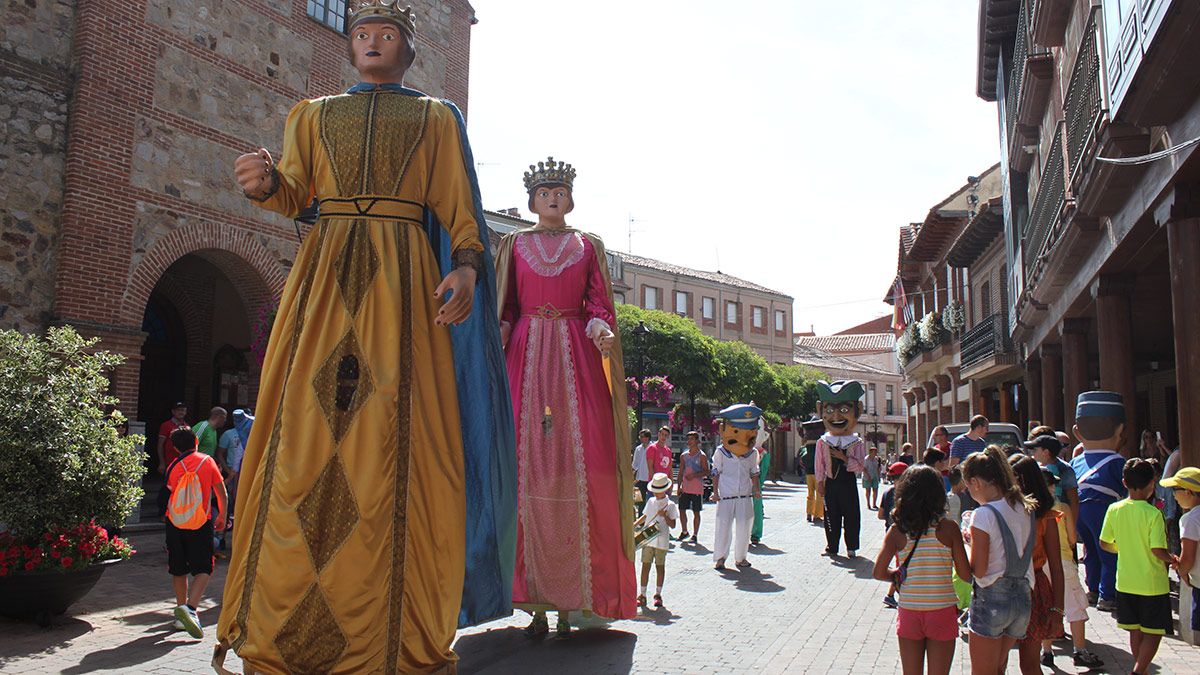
(1092, 471)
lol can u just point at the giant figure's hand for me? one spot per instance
(253, 171)
(460, 284)
(602, 337)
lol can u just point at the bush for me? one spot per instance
(62, 461)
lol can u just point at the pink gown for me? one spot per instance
(569, 548)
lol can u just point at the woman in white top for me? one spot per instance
(1001, 536)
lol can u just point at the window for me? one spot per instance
(872, 404)
(332, 13)
(708, 307)
(683, 302)
(650, 295)
(733, 314)
(619, 298)
(759, 317)
(889, 393)
(985, 301)
(780, 321)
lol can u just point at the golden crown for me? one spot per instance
(388, 10)
(549, 172)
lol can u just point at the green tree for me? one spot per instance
(746, 376)
(62, 461)
(798, 390)
(675, 347)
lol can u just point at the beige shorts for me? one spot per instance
(1075, 602)
(658, 556)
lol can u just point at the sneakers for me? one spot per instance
(890, 601)
(658, 603)
(692, 540)
(1048, 659)
(187, 617)
(641, 601)
(720, 564)
(683, 535)
(1106, 605)
(1093, 598)
(1085, 659)
(563, 627)
(852, 554)
(743, 563)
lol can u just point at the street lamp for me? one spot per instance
(641, 331)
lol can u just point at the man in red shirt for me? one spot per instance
(166, 449)
(658, 455)
(191, 551)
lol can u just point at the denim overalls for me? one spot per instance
(1003, 607)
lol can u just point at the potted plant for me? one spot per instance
(65, 471)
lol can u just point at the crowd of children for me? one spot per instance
(1011, 560)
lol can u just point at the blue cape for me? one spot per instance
(488, 429)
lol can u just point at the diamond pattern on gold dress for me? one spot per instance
(356, 266)
(343, 385)
(328, 513)
(311, 641)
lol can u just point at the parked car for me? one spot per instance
(999, 433)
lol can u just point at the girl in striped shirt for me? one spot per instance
(927, 547)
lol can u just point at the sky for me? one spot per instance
(781, 141)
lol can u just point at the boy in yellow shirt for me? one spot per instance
(1134, 530)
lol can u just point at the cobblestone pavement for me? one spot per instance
(794, 611)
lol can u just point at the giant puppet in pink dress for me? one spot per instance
(574, 505)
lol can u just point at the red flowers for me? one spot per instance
(65, 548)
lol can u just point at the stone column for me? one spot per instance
(1033, 388)
(1183, 242)
(1115, 332)
(910, 400)
(945, 385)
(1052, 400)
(1075, 365)
(922, 418)
(934, 394)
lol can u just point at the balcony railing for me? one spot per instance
(1047, 208)
(1082, 105)
(987, 339)
(1016, 77)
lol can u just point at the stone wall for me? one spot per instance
(35, 40)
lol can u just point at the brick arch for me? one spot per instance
(253, 270)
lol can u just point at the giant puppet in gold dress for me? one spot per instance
(377, 510)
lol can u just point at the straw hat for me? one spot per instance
(660, 483)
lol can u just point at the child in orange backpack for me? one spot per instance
(192, 481)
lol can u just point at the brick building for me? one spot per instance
(120, 215)
(1102, 281)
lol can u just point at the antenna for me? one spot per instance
(629, 232)
(717, 250)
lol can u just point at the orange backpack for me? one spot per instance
(185, 507)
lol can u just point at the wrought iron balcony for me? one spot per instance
(1027, 93)
(1083, 106)
(986, 340)
(1041, 229)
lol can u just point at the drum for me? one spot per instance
(643, 533)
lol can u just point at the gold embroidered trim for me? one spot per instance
(260, 517)
(403, 455)
(328, 513)
(356, 266)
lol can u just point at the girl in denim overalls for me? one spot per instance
(1001, 535)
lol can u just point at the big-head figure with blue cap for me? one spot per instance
(1099, 425)
(738, 427)
(735, 468)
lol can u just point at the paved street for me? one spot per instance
(794, 611)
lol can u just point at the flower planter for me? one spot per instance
(42, 595)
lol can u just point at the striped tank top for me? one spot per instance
(928, 585)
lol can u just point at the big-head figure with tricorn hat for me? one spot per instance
(840, 456)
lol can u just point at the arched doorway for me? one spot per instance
(198, 333)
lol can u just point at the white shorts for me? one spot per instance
(1075, 602)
